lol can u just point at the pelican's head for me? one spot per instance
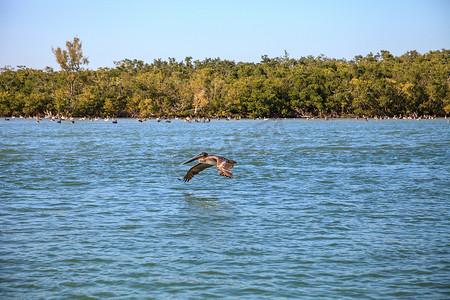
(203, 154)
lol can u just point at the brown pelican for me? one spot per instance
(222, 164)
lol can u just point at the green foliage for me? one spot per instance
(71, 62)
(380, 84)
(72, 59)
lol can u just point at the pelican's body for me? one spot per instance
(223, 165)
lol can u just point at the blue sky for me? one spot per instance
(236, 30)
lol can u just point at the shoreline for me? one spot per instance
(208, 119)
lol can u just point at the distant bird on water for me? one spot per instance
(223, 165)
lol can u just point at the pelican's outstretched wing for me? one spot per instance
(224, 166)
(194, 170)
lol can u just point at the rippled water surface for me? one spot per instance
(335, 209)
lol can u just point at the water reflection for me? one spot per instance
(206, 204)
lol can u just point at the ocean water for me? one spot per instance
(316, 209)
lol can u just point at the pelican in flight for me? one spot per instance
(222, 164)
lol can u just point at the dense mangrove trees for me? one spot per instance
(380, 84)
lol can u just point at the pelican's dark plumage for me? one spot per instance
(223, 165)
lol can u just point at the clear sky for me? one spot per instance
(241, 30)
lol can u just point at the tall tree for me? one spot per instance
(71, 60)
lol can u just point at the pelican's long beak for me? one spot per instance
(192, 159)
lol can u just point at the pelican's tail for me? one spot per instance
(225, 172)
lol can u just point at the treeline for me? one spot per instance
(381, 84)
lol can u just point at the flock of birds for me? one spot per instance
(59, 119)
(62, 118)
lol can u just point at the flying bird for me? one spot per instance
(224, 165)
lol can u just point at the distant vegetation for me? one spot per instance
(384, 85)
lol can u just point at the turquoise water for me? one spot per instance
(334, 209)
